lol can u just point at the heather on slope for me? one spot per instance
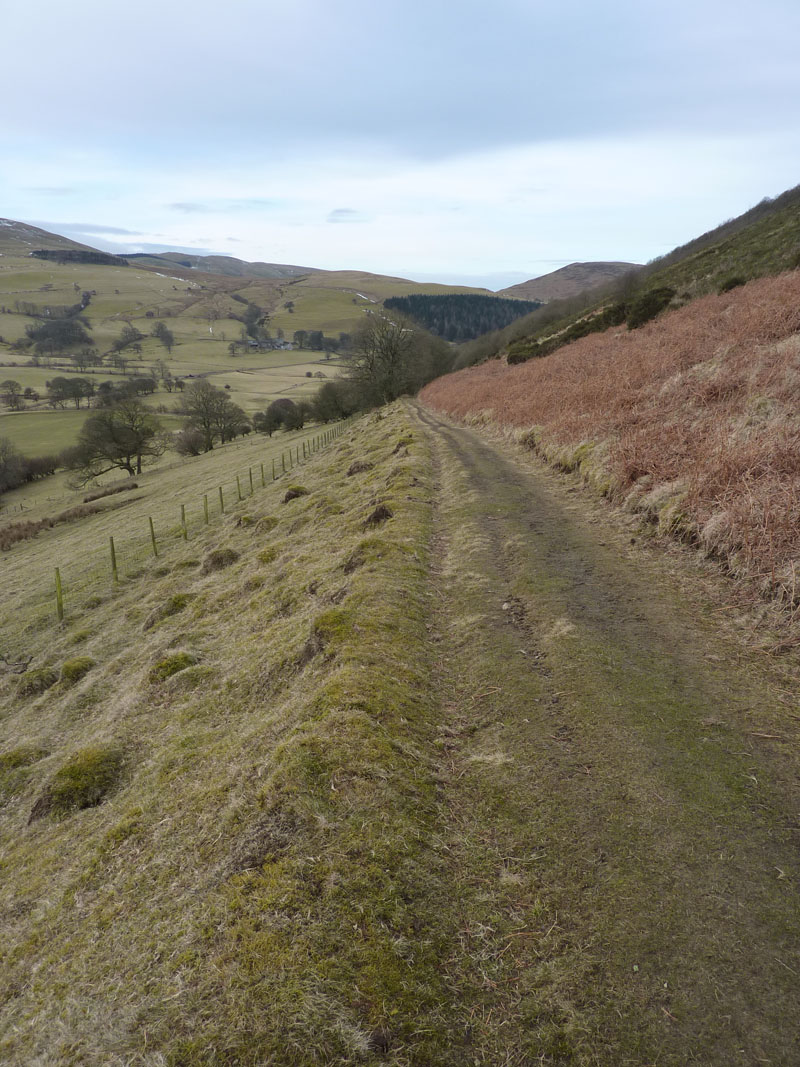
(694, 418)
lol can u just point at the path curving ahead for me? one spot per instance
(619, 789)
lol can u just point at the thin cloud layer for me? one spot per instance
(471, 139)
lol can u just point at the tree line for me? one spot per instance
(460, 316)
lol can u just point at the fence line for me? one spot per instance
(98, 573)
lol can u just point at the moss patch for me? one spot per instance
(170, 665)
(72, 670)
(31, 683)
(83, 782)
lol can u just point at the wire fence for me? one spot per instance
(42, 582)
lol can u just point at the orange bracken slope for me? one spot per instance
(701, 406)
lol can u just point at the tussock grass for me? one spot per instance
(72, 670)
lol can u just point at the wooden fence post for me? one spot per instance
(238, 488)
(263, 479)
(250, 472)
(114, 573)
(184, 531)
(59, 597)
(221, 501)
(205, 507)
(153, 537)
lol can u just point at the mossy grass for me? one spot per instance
(169, 665)
(304, 794)
(72, 670)
(37, 681)
(82, 782)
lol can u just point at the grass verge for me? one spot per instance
(262, 883)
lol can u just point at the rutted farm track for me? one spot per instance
(622, 794)
(419, 763)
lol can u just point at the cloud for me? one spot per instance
(346, 214)
(84, 229)
(190, 209)
(222, 206)
(52, 190)
(88, 227)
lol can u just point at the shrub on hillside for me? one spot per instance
(732, 283)
(648, 305)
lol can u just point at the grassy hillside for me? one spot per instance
(692, 420)
(761, 242)
(231, 758)
(226, 265)
(20, 238)
(198, 307)
(337, 781)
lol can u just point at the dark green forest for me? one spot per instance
(461, 316)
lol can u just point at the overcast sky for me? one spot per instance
(445, 139)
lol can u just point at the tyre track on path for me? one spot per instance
(623, 851)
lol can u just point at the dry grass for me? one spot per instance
(704, 401)
(15, 532)
(259, 884)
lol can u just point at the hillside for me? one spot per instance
(227, 266)
(761, 242)
(238, 327)
(691, 420)
(569, 281)
(306, 789)
(19, 239)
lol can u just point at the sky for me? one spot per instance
(454, 141)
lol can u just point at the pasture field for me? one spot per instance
(42, 432)
(198, 308)
(81, 547)
(255, 380)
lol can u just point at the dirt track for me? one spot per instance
(619, 788)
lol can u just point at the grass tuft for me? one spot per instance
(218, 559)
(165, 668)
(72, 670)
(31, 683)
(83, 782)
(171, 606)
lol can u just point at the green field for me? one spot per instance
(253, 380)
(81, 548)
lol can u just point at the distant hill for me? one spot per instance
(568, 281)
(20, 239)
(763, 241)
(228, 266)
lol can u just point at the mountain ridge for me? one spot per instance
(569, 281)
